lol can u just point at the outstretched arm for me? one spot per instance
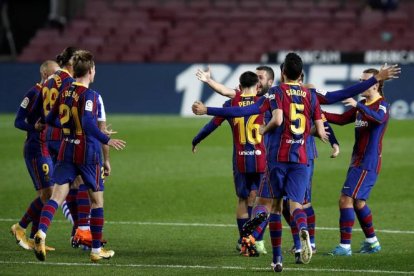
(205, 76)
(257, 108)
(341, 119)
(385, 73)
(206, 131)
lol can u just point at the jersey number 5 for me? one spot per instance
(296, 115)
(249, 130)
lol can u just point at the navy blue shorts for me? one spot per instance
(285, 179)
(53, 147)
(308, 194)
(246, 182)
(359, 183)
(92, 174)
(41, 171)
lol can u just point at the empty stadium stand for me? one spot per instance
(223, 30)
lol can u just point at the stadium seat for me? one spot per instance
(181, 29)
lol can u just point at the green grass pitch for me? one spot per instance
(171, 212)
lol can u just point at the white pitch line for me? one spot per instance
(211, 267)
(184, 224)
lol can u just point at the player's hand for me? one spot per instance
(199, 108)
(39, 126)
(387, 72)
(350, 102)
(335, 150)
(107, 168)
(108, 130)
(194, 149)
(117, 144)
(261, 129)
(204, 76)
(323, 135)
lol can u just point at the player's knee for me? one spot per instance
(359, 204)
(45, 194)
(307, 205)
(97, 200)
(77, 182)
(277, 206)
(346, 202)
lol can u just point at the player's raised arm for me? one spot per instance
(385, 73)
(230, 112)
(205, 76)
(388, 72)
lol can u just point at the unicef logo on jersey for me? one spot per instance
(250, 152)
(293, 141)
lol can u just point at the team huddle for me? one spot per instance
(274, 152)
(66, 153)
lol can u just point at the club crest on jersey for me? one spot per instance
(89, 105)
(25, 102)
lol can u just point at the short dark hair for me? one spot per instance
(248, 79)
(268, 70)
(82, 63)
(292, 66)
(63, 58)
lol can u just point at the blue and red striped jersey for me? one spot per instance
(300, 107)
(53, 86)
(77, 111)
(27, 116)
(248, 144)
(371, 121)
